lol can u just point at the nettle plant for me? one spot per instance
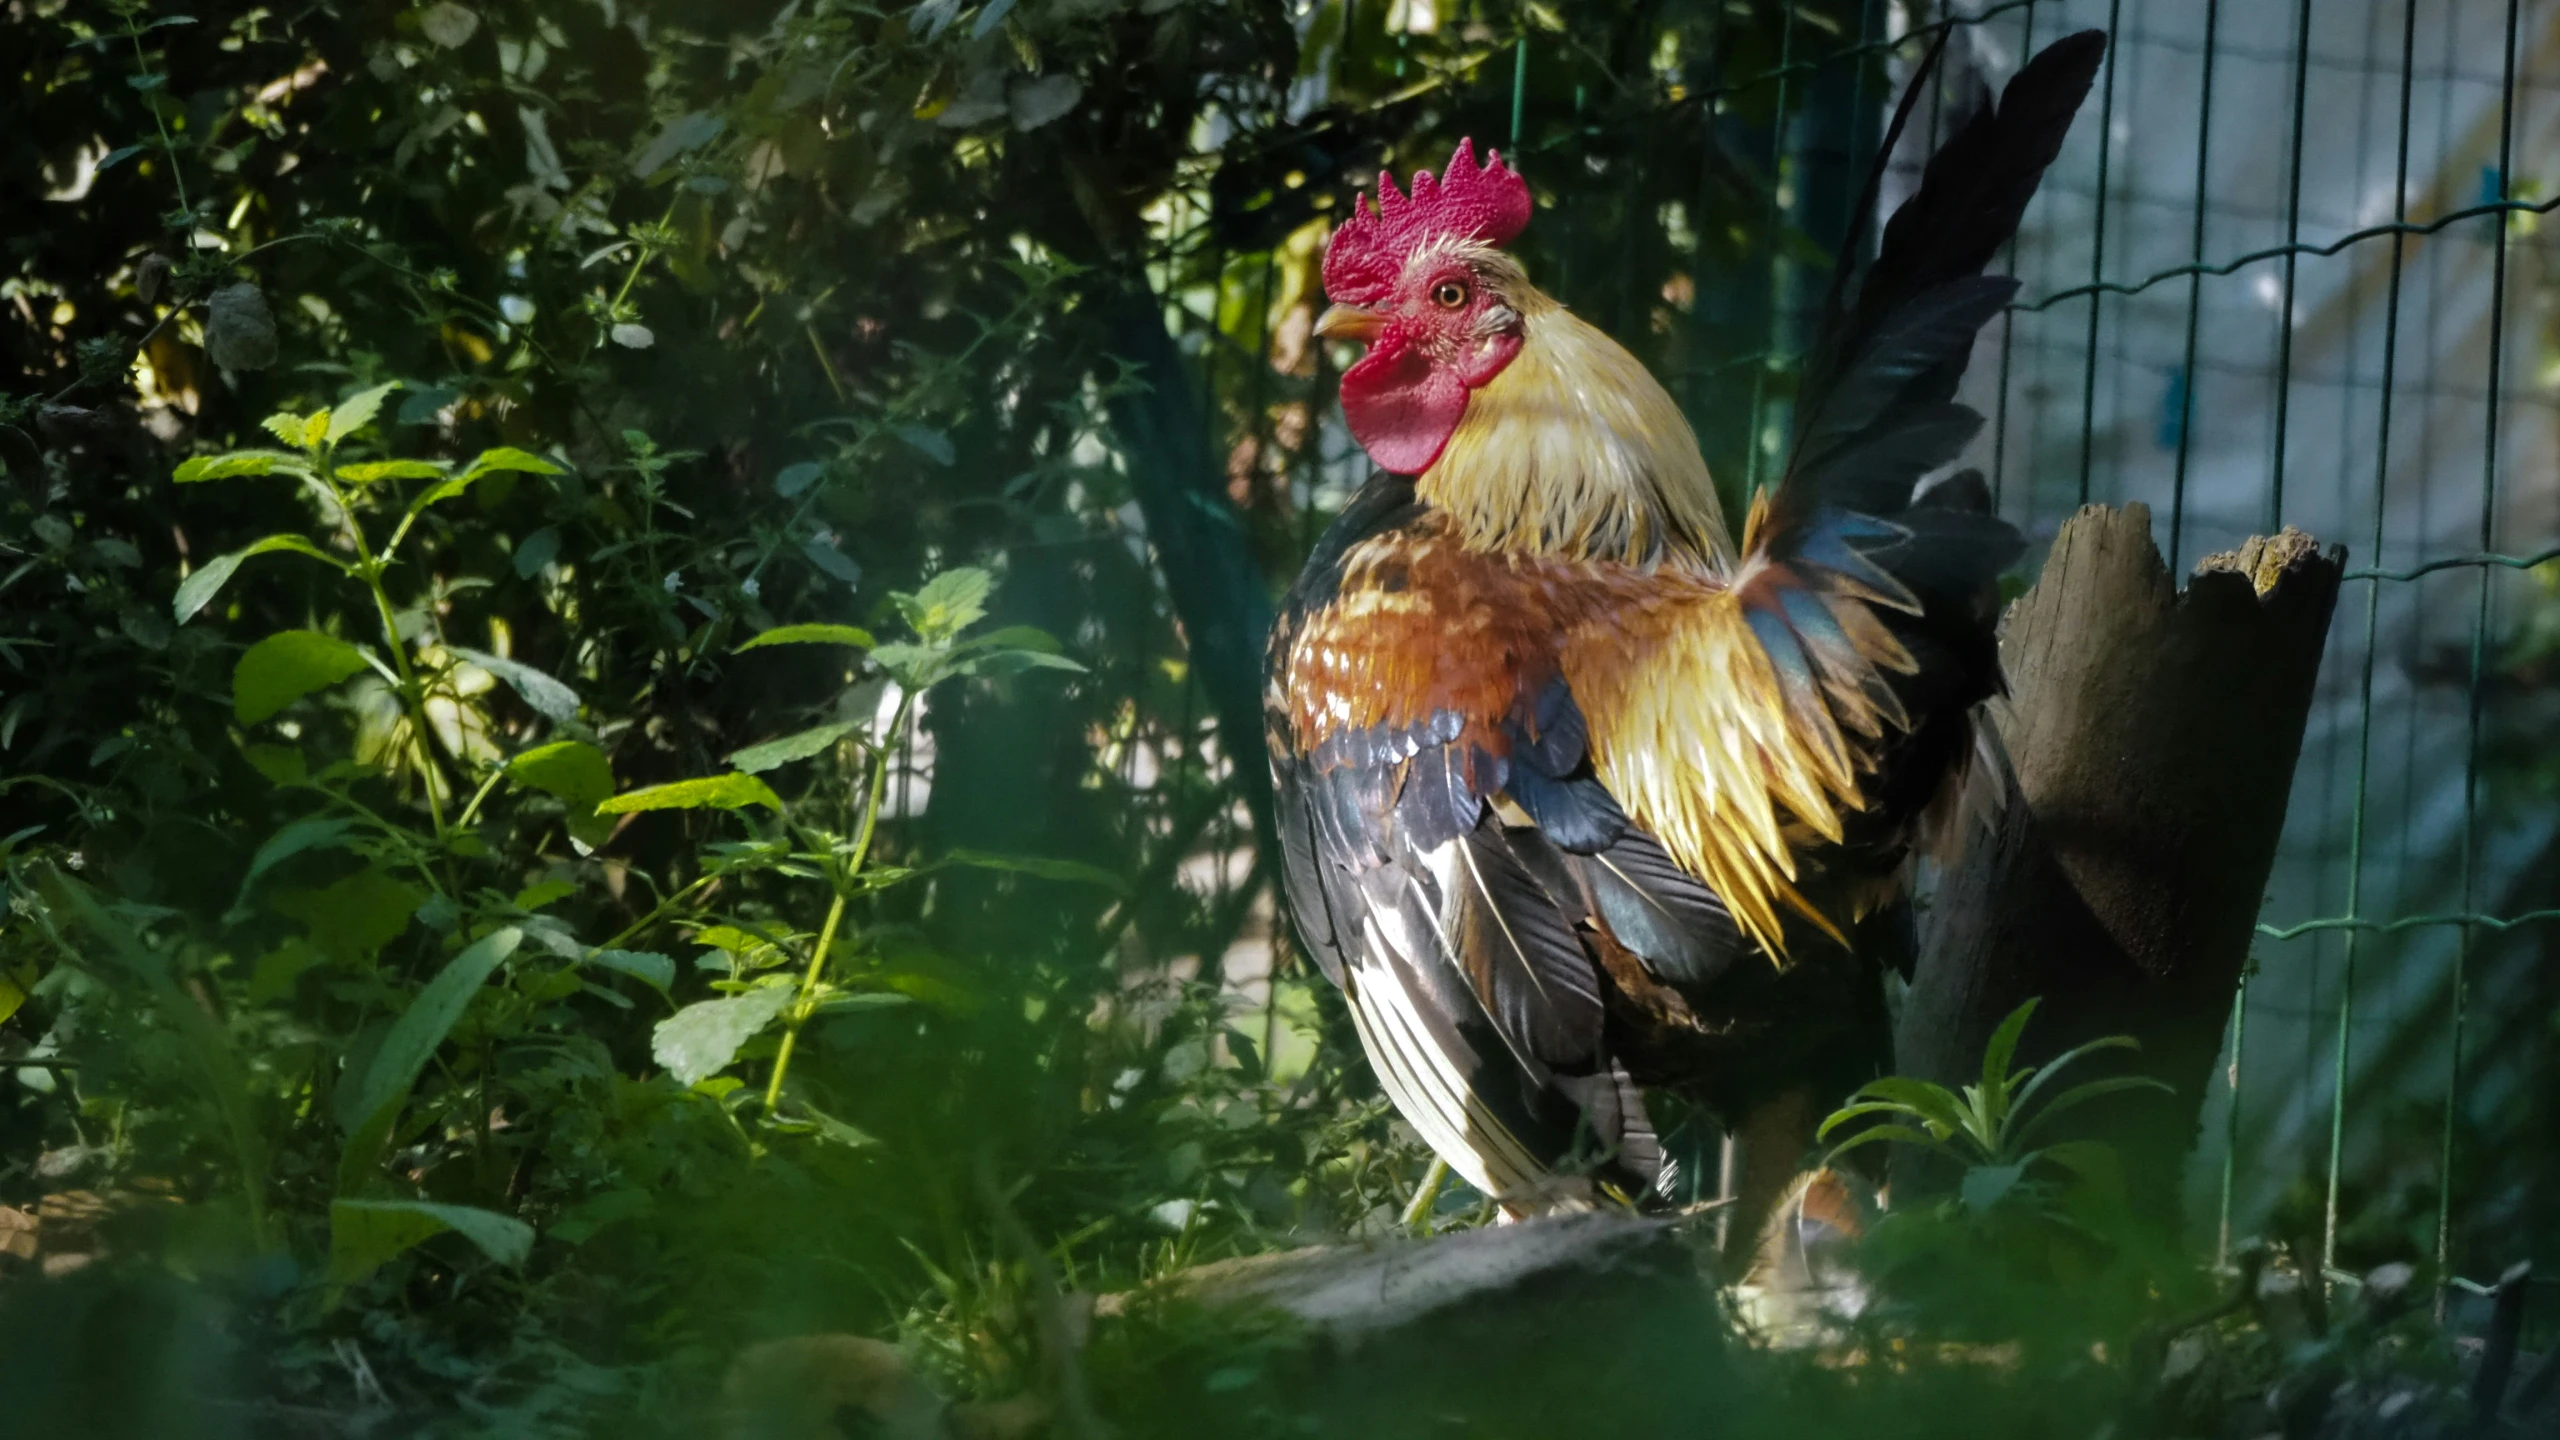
(772, 980)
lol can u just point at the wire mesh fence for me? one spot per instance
(2290, 270)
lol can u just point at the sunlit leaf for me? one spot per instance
(299, 431)
(356, 412)
(772, 754)
(702, 1038)
(852, 635)
(489, 462)
(286, 666)
(236, 463)
(573, 770)
(206, 581)
(374, 470)
(508, 457)
(363, 1234)
(949, 603)
(717, 792)
(914, 666)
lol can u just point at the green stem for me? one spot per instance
(1417, 1211)
(656, 912)
(801, 1005)
(496, 773)
(799, 1014)
(166, 148)
(413, 696)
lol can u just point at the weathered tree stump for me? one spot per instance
(2153, 735)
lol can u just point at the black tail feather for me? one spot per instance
(1890, 358)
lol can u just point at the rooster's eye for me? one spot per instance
(1449, 294)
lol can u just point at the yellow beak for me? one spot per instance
(1350, 322)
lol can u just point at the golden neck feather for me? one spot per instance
(1576, 450)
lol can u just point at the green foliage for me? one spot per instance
(1987, 1127)
(2005, 1239)
(704, 755)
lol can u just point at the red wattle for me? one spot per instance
(1401, 407)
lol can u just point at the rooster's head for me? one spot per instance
(1422, 282)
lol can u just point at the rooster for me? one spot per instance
(1576, 797)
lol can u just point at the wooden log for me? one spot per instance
(2153, 736)
(1599, 1323)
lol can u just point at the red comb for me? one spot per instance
(1486, 202)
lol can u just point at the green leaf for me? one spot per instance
(537, 550)
(834, 1131)
(2018, 1103)
(949, 603)
(658, 971)
(2004, 1046)
(1015, 637)
(1005, 662)
(929, 442)
(549, 698)
(238, 463)
(292, 840)
(918, 667)
(413, 1038)
(837, 564)
(1041, 866)
(490, 462)
(286, 666)
(2079, 1095)
(373, 470)
(1847, 1113)
(297, 431)
(858, 638)
(719, 792)
(356, 412)
(773, 754)
(508, 457)
(1988, 1185)
(354, 916)
(282, 764)
(701, 1039)
(573, 770)
(684, 133)
(1881, 1134)
(857, 1000)
(365, 1233)
(203, 584)
(1934, 1104)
